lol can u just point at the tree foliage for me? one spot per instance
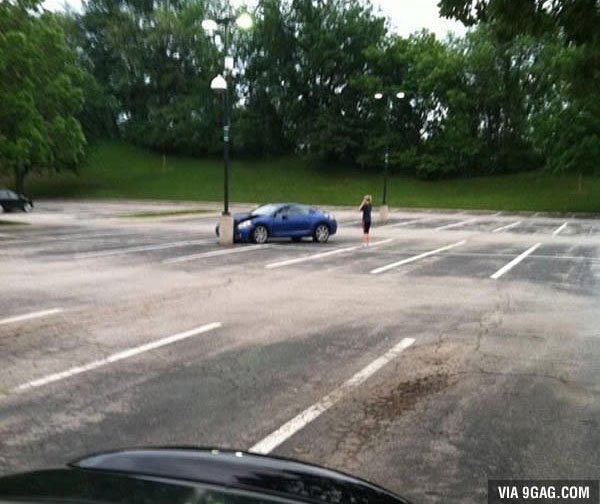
(301, 61)
(517, 92)
(154, 60)
(40, 94)
(568, 128)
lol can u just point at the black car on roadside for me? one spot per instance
(10, 201)
(188, 475)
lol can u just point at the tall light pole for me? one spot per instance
(220, 85)
(384, 209)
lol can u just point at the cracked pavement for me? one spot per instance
(503, 380)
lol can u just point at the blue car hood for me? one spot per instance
(241, 217)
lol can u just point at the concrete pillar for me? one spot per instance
(226, 230)
(384, 214)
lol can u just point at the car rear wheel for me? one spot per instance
(321, 234)
(27, 207)
(260, 234)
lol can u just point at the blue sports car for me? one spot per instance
(283, 220)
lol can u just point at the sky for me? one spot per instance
(406, 16)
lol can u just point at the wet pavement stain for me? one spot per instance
(381, 411)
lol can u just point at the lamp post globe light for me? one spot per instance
(220, 85)
(384, 211)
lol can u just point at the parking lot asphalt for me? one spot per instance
(119, 332)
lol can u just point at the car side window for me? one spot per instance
(297, 210)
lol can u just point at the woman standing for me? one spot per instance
(365, 208)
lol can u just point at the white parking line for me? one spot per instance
(215, 253)
(143, 248)
(557, 231)
(508, 226)
(532, 256)
(408, 223)
(44, 239)
(300, 421)
(297, 260)
(376, 271)
(29, 316)
(514, 262)
(125, 354)
(456, 224)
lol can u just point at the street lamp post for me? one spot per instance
(219, 84)
(384, 209)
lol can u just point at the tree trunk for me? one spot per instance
(20, 180)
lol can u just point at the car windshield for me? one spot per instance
(265, 210)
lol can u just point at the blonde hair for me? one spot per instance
(368, 198)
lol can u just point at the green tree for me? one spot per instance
(156, 62)
(265, 121)
(577, 19)
(469, 102)
(40, 94)
(499, 83)
(301, 63)
(431, 76)
(98, 116)
(570, 120)
(333, 38)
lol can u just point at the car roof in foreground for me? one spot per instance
(227, 467)
(272, 476)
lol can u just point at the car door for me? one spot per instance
(15, 201)
(280, 222)
(298, 220)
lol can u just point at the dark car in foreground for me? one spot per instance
(10, 201)
(190, 476)
(283, 220)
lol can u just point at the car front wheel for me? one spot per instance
(260, 234)
(321, 234)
